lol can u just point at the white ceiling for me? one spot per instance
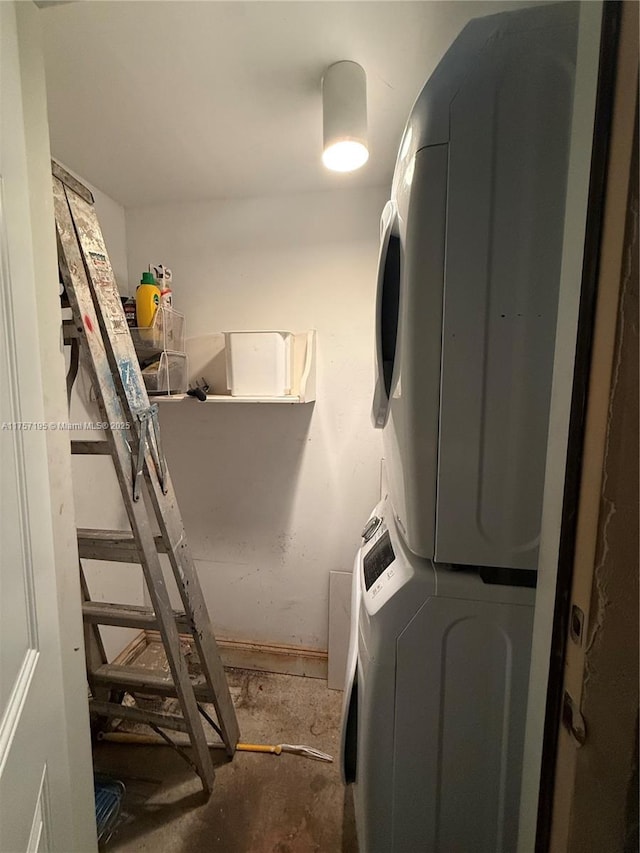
(179, 101)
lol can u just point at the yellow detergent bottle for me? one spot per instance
(147, 300)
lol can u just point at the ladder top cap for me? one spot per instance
(72, 183)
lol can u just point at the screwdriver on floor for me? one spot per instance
(277, 749)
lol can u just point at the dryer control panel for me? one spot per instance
(383, 563)
(377, 560)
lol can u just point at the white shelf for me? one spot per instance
(206, 357)
(227, 398)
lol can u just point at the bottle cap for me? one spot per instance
(147, 278)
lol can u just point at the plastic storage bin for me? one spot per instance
(167, 375)
(258, 363)
(167, 332)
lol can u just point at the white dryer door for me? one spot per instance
(387, 313)
(349, 734)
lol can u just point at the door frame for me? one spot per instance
(612, 176)
(600, 35)
(81, 828)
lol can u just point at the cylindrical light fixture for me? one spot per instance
(344, 114)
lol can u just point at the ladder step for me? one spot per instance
(134, 679)
(85, 448)
(117, 546)
(128, 616)
(137, 715)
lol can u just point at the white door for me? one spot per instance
(35, 786)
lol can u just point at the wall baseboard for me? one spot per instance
(288, 660)
(284, 660)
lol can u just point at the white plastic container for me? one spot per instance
(258, 363)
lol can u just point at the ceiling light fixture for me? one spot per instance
(344, 114)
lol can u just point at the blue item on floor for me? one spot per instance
(108, 797)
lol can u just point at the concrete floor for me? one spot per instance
(260, 803)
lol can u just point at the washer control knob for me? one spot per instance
(370, 528)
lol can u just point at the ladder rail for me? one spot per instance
(95, 654)
(192, 598)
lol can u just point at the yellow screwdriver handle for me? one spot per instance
(259, 747)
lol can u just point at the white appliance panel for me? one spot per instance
(478, 201)
(441, 676)
(504, 246)
(460, 712)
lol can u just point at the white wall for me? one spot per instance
(96, 490)
(273, 497)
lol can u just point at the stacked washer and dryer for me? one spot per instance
(444, 583)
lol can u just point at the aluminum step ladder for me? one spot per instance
(103, 344)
